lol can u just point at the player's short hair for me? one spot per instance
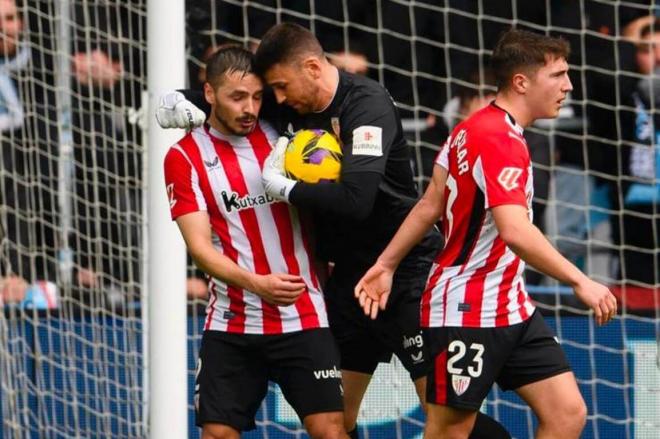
(285, 43)
(520, 50)
(648, 29)
(227, 59)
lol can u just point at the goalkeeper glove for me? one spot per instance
(275, 182)
(174, 111)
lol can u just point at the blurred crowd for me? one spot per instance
(597, 173)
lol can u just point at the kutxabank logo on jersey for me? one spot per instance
(234, 202)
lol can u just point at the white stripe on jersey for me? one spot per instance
(492, 283)
(305, 270)
(199, 197)
(437, 316)
(267, 230)
(218, 179)
(458, 283)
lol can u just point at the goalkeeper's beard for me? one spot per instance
(237, 129)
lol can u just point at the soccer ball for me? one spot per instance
(313, 156)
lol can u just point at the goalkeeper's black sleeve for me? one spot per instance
(197, 98)
(353, 198)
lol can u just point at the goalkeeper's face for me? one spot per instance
(295, 85)
(235, 102)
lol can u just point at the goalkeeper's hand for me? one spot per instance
(275, 182)
(174, 111)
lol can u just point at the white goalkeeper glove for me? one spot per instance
(174, 111)
(275, 182)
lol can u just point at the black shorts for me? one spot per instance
(467, 361)
(363, 343)
(233, 371)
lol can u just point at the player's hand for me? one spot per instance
(599, 298)
(174, 111)
(275, 182)
(373, 290)
(279, 289)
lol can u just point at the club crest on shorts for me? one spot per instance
(460, 384)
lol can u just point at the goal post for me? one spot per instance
(166, 291)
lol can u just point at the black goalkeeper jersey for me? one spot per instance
(356, 217)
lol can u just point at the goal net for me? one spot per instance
(72, 196)
(71, 218)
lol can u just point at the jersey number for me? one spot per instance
(457, 348)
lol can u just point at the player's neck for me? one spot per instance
(516, 107)
(327, 87)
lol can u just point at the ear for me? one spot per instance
(312, 65)
(520, 83)
(209, 93)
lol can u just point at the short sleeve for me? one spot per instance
(182, 184)
(501, 170)
(442, 158)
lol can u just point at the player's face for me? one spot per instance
(235, 103)
(293, 85)
(548, 88)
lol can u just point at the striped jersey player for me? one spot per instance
(477, 280)
(479, 324)
(219, 174)
(266, 319)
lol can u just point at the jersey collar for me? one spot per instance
(509, 119)
(235, 141)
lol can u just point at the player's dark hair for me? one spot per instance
(284, 43)
(228, 59)
(520, 50)
(652, 27)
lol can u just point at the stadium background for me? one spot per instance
(73, 191)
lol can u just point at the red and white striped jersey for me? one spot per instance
(476, 281)
(208, 171)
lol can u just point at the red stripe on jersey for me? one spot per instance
(236, 303)
(281, 214)
(271, 315)
(502, 313)
(474, 289)
(522, 298)
(305, 229)
(425, 317)
(441, 378)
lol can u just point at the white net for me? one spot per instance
(71, 75)
(71, 191)
(433, 57)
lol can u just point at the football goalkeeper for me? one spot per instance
(356, 216)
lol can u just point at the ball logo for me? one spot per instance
(508, 178)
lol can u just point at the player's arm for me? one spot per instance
(354, 195)
(189, 212)
(372, 291)
(527, 241)
(278, 289)
(368, 132)
(503, 178)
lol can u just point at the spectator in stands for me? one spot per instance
(641, 216)
(18, 262)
